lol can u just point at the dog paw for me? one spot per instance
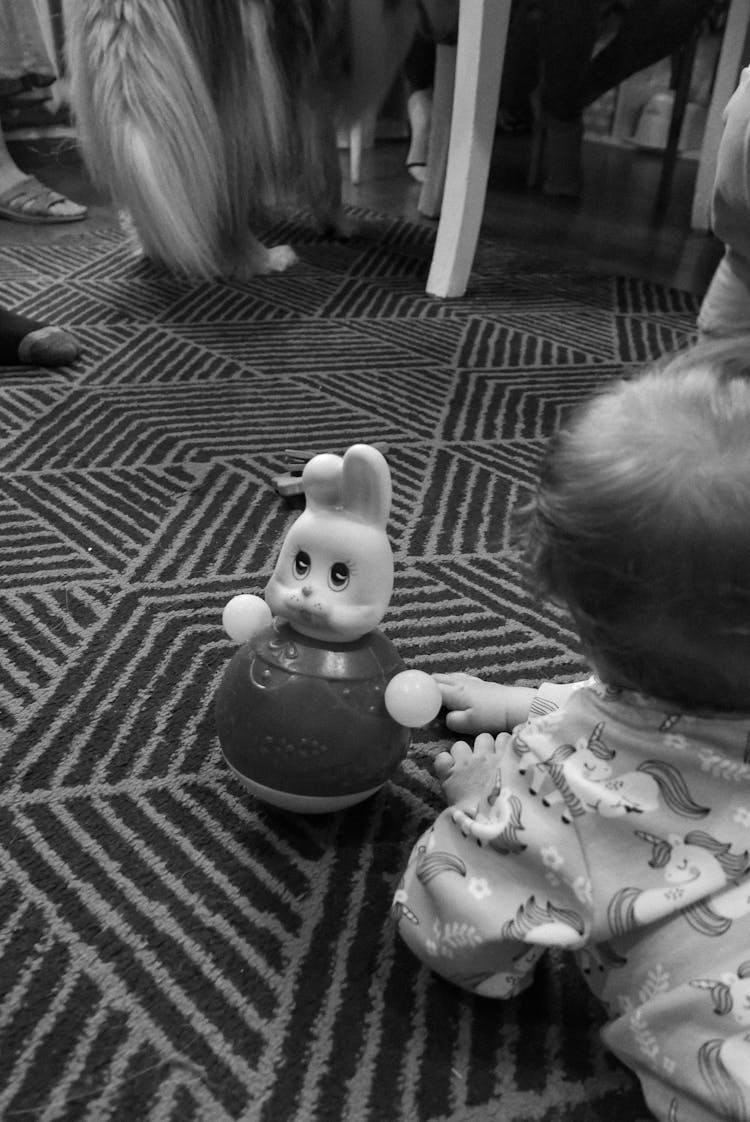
(278, 258)
(259, 261)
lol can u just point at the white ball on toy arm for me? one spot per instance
(413, 698)
(245, 616)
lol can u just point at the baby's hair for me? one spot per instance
(641, 528)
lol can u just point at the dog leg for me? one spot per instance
(248, 260)
(322, 175)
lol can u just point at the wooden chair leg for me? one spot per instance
(482, 34)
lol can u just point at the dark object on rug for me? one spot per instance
(28, 342)
(171, 948)
(289, 485)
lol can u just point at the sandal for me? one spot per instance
(30, 201)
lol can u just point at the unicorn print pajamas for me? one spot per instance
(620, 829)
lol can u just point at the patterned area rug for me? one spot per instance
(171, 949)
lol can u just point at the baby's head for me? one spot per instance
(642, 529)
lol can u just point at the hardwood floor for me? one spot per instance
(613, 229)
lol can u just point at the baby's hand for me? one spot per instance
(473, 705)
(468, 773)
(477, 706)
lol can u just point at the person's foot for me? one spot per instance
(27, 342)
(24, 199)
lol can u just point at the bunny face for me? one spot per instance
(334, 576)
(333, 579)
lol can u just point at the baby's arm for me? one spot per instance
(477, 706)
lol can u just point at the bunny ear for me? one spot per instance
(322, 481)
(367, 484)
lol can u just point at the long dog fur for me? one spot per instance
(203, 117)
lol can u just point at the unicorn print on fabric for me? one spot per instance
(580, 776)
(725, 1067)
(723, 1064)
(693, 867)
(730, 993)
(496, 820)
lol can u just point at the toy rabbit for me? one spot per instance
(315, 709)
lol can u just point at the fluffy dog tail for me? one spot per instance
(161, 95)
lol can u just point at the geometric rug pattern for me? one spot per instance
(170, 948)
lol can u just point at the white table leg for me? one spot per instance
(482, 34)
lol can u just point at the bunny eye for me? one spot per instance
(338, 576)
(301, 564)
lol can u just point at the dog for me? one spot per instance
(204, 119)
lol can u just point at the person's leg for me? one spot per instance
(27, 342)
(651, 30)
(726, 306)
(567, 34)
(520, 67)
(24, 199)
(419, 64)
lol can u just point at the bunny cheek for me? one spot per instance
(322, 613)
(350, 621)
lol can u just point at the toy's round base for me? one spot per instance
(302, 804)
(306, 721)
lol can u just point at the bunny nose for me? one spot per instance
(307, 590)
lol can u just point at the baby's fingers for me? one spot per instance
(461, 720)
(453, 689)
(446, 761)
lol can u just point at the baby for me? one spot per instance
(612, 815)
